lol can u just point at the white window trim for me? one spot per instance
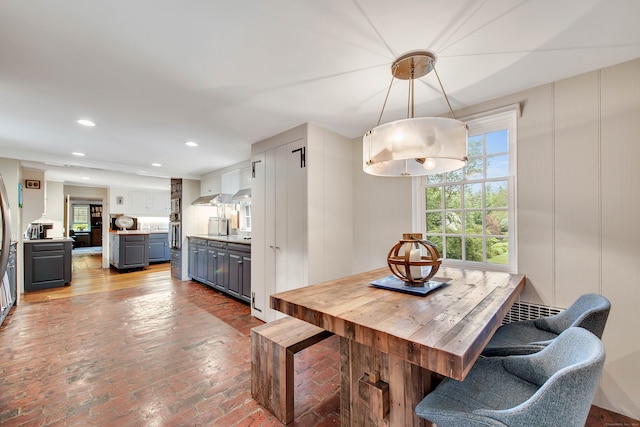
(508, 114)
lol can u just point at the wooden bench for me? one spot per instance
(272, 348)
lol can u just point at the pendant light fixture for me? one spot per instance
(415, 146)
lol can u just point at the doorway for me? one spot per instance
(83, 222)
(81, 195)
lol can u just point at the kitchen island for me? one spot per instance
(135, 249)
(394, 346)
(159, 250)
(47, 263)
(221, 262)
(129, 249)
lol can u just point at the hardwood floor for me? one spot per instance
(88, 277)
(144, 349)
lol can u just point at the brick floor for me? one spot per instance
(167, 354)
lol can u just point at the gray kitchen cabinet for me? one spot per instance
(245, 283)
(221, 265)
(235, 274)
(129, 250)
(217, 265)
(240, 271)
(176, 263)
(159, 247)
(47, 263)
(198, 259)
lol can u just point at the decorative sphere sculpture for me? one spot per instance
(413, 259)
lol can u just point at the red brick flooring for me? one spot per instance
(168, 354)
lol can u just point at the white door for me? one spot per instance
(278, 233)
(291, 222)
(259, 244)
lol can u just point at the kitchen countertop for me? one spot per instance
(128, 232)
(138, 231)
(229, 239)
(52, 239)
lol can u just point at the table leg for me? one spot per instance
(362, 401)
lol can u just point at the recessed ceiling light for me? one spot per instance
(191, 144)
(85, 177)
(156, 164)
(77, 153)
(85, 122)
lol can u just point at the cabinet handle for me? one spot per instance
(274, 247)
(239, 261)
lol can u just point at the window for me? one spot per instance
(470, 213)
(247, 216)
(80, 216)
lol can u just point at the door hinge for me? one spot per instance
(253, 302)
(253, 168)
(303, 160)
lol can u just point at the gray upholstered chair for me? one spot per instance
(554, 387)
(589, 311)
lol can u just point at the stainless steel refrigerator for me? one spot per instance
(7, 294)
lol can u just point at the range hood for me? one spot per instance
(211, 200)
(242, 195)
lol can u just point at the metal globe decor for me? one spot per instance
(414, 260)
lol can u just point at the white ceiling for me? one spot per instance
(157, 73)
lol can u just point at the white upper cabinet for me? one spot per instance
(139, 202)
(245, 177)
(211, 185)
(118, 200)
(230, 182)
(161, 203)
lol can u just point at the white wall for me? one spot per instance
(32, 199)
(619, 233)
(329, 204)
(55, 207)
(578, 209)
(382, 213)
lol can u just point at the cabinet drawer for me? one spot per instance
(239, 247)
(134, 238)
(218, 245)
(47, 246)
(158, 236)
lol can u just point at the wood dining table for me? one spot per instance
(395, 347)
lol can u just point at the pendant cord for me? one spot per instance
(393, 75)
(443, 92)
(410, 102)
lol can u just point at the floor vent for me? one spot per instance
(527, 311)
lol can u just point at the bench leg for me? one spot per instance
(272, 383)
